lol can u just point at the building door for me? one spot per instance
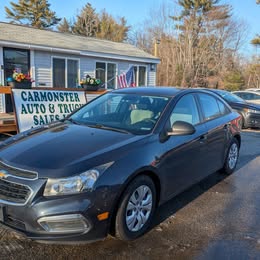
(106, 72)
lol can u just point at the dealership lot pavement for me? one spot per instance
(216, 219)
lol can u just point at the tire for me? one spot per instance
(231, 157)
(136, 209)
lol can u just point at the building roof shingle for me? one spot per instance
(40, 38)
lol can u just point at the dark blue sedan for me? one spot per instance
(108, 166)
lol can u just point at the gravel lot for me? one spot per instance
(215, 219)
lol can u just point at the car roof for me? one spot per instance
(247, 91)
(253, 89)
(158, 91)
(216, 90)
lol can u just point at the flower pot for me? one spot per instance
(24, 84)
(90, 87)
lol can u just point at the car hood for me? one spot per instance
(244, 105)
(64, 149)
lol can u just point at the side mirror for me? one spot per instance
(181, 128)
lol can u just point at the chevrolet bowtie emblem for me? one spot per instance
(3, 174)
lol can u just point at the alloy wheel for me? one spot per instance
(233, 156)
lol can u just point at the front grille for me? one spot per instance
(18, 172)
(14, 192)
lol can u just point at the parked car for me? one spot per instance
(254, 89)
(250, 112)
(108, 166)
(249, 96)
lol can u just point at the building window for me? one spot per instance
(16, 59)
(101, 71)
(58, 68)
(140, 75)
(65, 73)
(72, 73)
(106, 72)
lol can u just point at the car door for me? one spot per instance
(181, 164)
(217, 125)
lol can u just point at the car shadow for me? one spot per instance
(172, 206)
(248, 137)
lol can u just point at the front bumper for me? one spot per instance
(253, 120)
(25, 219)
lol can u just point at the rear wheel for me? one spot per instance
(136, 208)
(232, 157)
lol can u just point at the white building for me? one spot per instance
(56, 59)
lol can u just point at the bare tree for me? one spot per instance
(195, 50)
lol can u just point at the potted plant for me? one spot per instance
(90, 83)
(20, 80)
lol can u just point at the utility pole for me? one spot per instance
(156, 43)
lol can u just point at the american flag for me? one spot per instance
(126, 79)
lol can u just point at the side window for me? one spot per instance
(248, 96)
(185, 110)
(209, 106)
(256, 96)
(223, 108)
(241, 95)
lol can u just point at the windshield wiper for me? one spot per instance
(72, 121)
(109, 128)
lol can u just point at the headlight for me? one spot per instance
(76, 184)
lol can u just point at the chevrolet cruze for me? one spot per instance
(108, 166)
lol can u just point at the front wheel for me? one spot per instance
(136, 208)
(232, 157)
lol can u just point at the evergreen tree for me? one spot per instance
(199, 24)
(110, 29)
(64, 26)
(103, 25)
(87, 22)
(195, 13)
(234, 80)
(256, 41)
(36, 13)
(196, 7)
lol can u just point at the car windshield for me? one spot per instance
(230, 97)
(129, 113)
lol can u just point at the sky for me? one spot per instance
(136, 11)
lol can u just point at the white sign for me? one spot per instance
(38, 107)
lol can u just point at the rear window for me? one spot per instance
(209, 106)
(223, 108)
